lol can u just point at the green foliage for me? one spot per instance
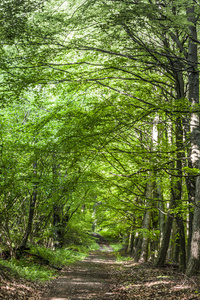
(191, 171)
(32, 266)
(90, 113)
(116, 246)
(153, 235)
(29, 270)
(123, 258)
(60, 257)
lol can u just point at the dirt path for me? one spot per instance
(100, 277)
(87, 279)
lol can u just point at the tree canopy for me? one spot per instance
(100, 126)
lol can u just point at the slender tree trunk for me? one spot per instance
(181, 228)
(147, 222)
(59, 221)
(31, 212)
(191, 187)
(166, 237)
(145, 238)
(175, 244)
(193, 79)
(57, 226)
(194, 260)
(136, 240)
(161, 213)
(138, 248)
(130, 240)
(177, 194)
(155, 226)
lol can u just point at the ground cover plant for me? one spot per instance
(41, 264)
(29, 275)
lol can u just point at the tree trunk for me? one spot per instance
(130, 241)
(57, 236)
(193, 79)
(177, 194)
(145, 238)
(166, 238)
(175, 244)
(176, 185)
(191, 187)
(138, 248)
(146, 223)
(136, 240)
(181, 228)
(31, 212)
(161, 213)
(194, 260)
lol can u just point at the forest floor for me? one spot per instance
(101, 276)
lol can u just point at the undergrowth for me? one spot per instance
(41, 264)
(29, 270)
(116, 246)
(122, 258)
(60, 257)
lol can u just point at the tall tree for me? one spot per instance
(193, 80)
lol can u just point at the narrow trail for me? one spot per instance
(87, 279)
(100, 277)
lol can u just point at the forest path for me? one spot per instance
(86, 279)
(101, 277)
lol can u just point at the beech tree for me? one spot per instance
(90, 83)
(159, 44)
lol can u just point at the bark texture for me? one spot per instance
(193, 79)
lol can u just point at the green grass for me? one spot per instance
(123, 258)
(29, 270)
(94, 246)
(116, 246)
(60, 257)
(32, 267)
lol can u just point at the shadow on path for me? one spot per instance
(87, 279)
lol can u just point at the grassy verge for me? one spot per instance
(41, 264)
(116, 246)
